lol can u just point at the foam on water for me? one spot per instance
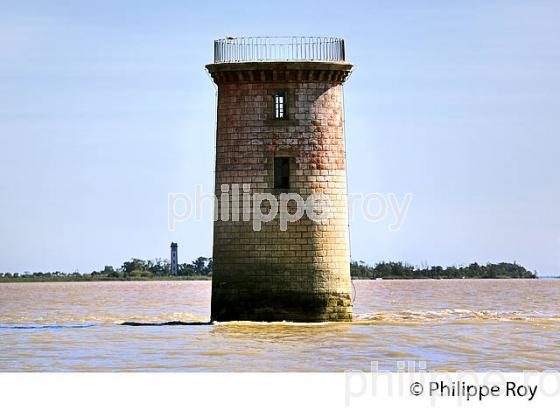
(455, 315)
(184, 318)
(27, 327)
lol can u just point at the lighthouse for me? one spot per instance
(280, 134)
(174, 259)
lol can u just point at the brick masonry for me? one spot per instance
(303, 273)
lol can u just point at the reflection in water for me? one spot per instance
(482, 325)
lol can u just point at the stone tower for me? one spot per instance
(280, 129)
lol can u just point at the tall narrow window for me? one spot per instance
(280, 105)
(281, 173)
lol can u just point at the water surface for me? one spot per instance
(482, 325)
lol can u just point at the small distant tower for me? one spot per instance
(174, 259)
(280, 129)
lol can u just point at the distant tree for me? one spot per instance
(134, 264)
(108, 270)
(394, 270)
(436, 272)
(159, 267)
(186, 269)
(200, 265)
(361, 270)
(452, 272)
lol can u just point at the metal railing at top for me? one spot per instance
(245, 49)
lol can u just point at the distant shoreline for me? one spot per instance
(201, 269)
(87, 278)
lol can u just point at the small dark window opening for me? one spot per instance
(281, 173)
(280, 105)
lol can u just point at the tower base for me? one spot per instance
(279, 306)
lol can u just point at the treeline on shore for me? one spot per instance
(134, 269)
(399, 270)
(201, 268)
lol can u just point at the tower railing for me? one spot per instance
(247, 49)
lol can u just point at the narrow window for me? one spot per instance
(280, 105)
(281, 173)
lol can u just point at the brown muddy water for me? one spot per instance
(481, 325)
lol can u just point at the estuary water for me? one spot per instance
(481, 325)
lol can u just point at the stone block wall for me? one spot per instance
(302, 273)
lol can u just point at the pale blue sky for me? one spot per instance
(105, 108)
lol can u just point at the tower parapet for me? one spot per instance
(294, 48)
